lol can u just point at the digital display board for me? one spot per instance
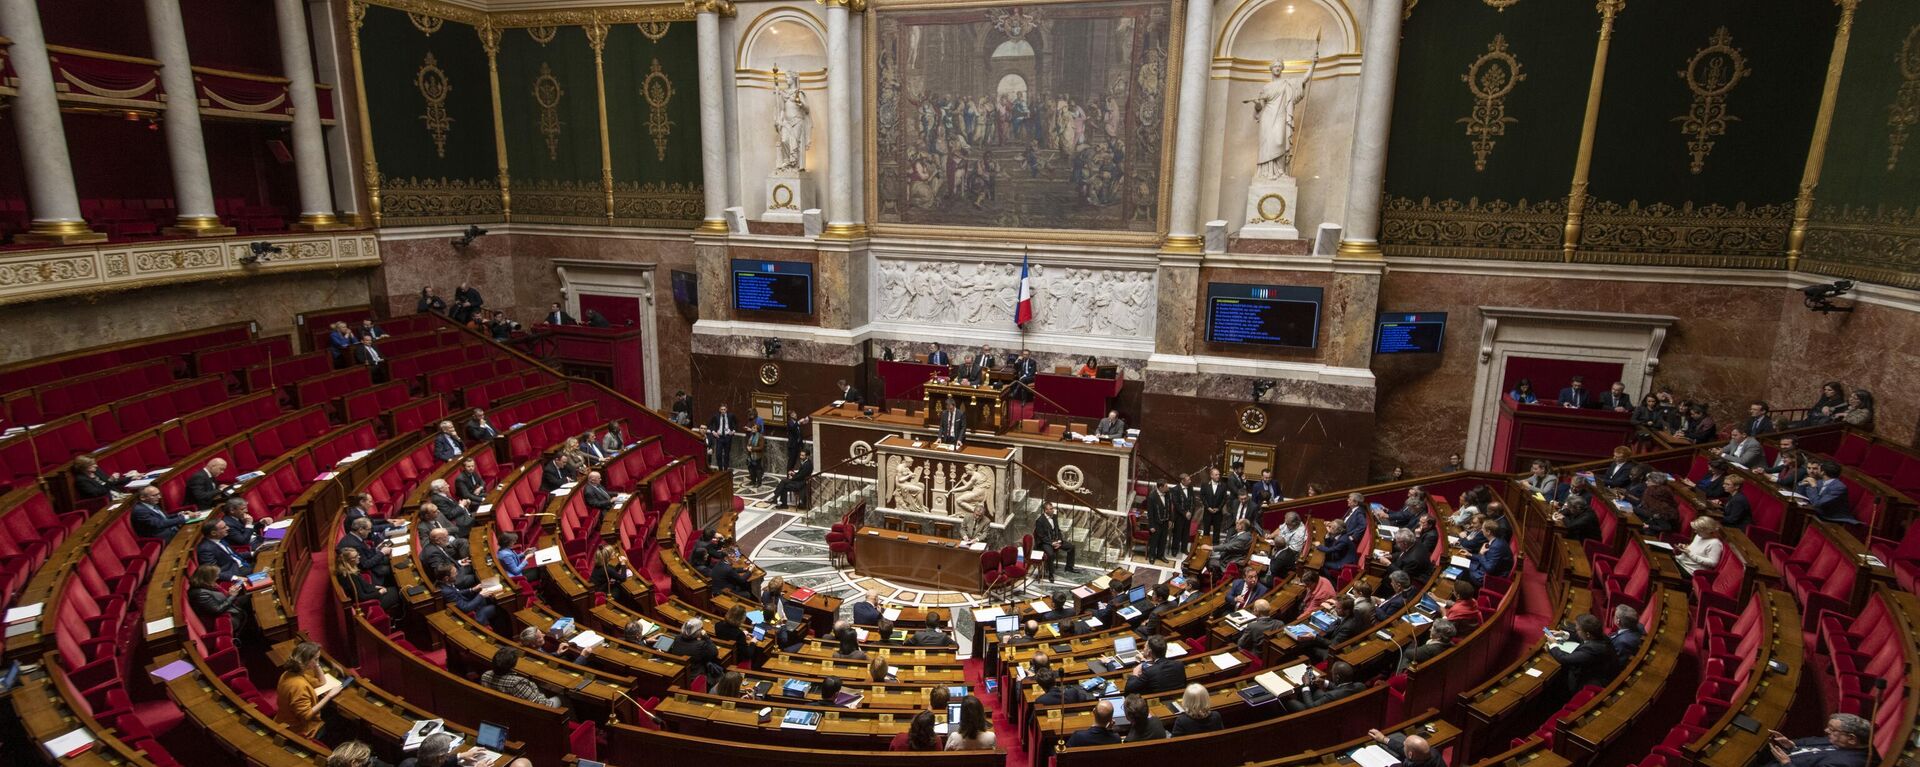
(1420, 333)
(773, 286)
(1268, 315)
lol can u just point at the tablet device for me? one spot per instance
(492, 737)
(1006, 624)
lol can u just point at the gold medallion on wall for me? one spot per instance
(1500, 5)
(543, 35)
(434, 87)
(658, 90)
(426, 24)
(1490, 78)
(1904, 113)
(1711, 74)
(654, 30)
(1272, 209)
(547, 93)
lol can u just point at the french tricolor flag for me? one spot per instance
(1023, 302)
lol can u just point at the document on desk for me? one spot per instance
(70, 744)
(1224, 661)
(1296, 674)
(1375, 756)
(1040, 606)
(1274, 683)
(1567, 646)
(891, 613)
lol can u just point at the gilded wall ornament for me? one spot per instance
(1711, 74)
(1905, 111)
(547, 93)
(1500, 5)
(543, 34)
(658, 90)
(1491, 78)
(654, 30)
(434, 87)
(425, 23)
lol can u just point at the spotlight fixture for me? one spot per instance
(770, 347)
(260, 252)
(474, 232)
(1261, 387)
(1819, 298)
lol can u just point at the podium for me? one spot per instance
(612, 356)
(1557, 434)
(986, 404)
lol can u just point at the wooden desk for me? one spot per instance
(924, 560)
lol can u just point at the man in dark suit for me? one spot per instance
(953, 423)
(447, 445)
(1158, 673)
(720, 430)
(1185, 499)
(478, 429)
(466, 301)
(795, 483)
(726, 577)
(554, 474)
(594, 494)
(370, 358)
(1054, 693)
(1337, 548)
(985, 358)
(1213, 497)
(1412, 554)
(1337, 684)
(1100, 733)
(359, 506)
(1759, 417)
(1159, 518)
(1265, 490)
(939, 356)
(1411, 750)
(373, 552)
(796, 437)
(597, 320)
(559, 316)
(430, 301)
(1257, 630)
(213, 550)
(1617, 399)
(1439, 638)
(1591, 661)
(150, 520)
(970, 372)
(440, 494)
(441, 548)
(1026, 370)
(935, 634)
(1828, 496)
(468, 485)
(1235, 547)
(1495, 558)
(866, 612)
(1575, 395)
(340, 344)
(204, 490)
(848, 392)
(1112, 426)
(1627, 633)
(1356, 519)
(1618, 474)
(1844, 745)
(1048, 536)
(1245, 507)
(1241, 594)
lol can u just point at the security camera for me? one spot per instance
(1261, 387)
(1819, 298)
(260, 252)
(474, 232)
(770, 347)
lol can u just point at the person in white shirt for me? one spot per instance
(1289, 542)
(1704, 552)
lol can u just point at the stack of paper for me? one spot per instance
(587, 640)
(546, 556)
(1224, 661)
(1274, 684)
(1375, 756)
(891, 613)
(24, 613)
(70, 744)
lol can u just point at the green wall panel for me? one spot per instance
(1864, 221)
(429, 176)
(656, 146)
(549, 103)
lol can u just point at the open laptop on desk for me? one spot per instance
(1126, 649)
(491, 736)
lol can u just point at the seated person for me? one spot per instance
(1100, 733)
(204, 488)
(1703, 553)
(1199, 715)
(1496, 558)
(360, 586)
(1157, 672)
(1054, 693)
(1464, 610)
(1658, 507)
(918, 737)
(91, 481)
(210, 601)
(1400, 593)
(1338, 548)
(1411, 750)
(1318, 591)
(935, 634)
(1141, 723)
(1577, 518)
(469, 600)
(610, 568)
(504, 678)
(1321, 690)
(1257, 630)
(150, 520)
(214, 550)
(1592, 661)
(1236, 546)
(1847, 742)
(441, 548)
(512, 561)
(1735, 510)
(1439, 638)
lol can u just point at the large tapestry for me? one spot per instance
(1043, 116)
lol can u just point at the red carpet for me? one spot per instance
(1006, 732)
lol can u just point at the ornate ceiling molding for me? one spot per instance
(35, 275)
(539, 14)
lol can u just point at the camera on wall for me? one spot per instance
(260, 252)
(473, 232)
(770, 347)
(1261, 387)
(1819, 298)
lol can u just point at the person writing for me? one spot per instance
(1704, 552)
(304, 690)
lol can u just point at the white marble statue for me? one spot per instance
(972, 494)
(1278, 115)
(1097, 301)
(793, 123)
(909, 493)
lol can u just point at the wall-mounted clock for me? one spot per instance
(1252, 419)
(770, 374)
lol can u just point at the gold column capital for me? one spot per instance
(722, 7)
(198, 226)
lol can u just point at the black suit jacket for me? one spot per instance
(470, 486)
(596, 497)
(865, 614)
(1045, 531)
(371, 560)
(95, 484)
(1592, 662)
(203, 491)
(231, 565)
(1159, 509)
(210, 603)
(1065, 692)
(1026, 369)
(153, 522)
(939, 358)
(852, 394)
(480, 433)
(1214, 495)
(551, 478)
(447, 447)
(726, 577)
(1163, 675)
(1093, 736)
(953, 426)
(1819, 752)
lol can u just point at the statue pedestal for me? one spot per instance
(787, 195)
(1270, 210)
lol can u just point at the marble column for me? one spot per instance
(309, 146)
(1367, 178)
(1183, 225)
(713, 116)
(54, 203)
(840, 72)
(186, 147)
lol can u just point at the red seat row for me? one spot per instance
(176, 346)
(1897, 466)
(326, 388)
(504, 385)
(284, 371)
(239, 356)
(28, 454)
(1868, 652)
(1626, 579)
(30, 529)
(72, 395)
(528, 441)
(158, 406)
(1817, 571)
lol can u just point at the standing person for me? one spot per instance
(756, 452)
(953, 424)
(1051, 539)
(1159, 516)
(1213, 495)
(1186, 498)
(796, 438)
(720, 431)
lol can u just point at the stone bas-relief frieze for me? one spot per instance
(1092, 301)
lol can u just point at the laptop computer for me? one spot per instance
(491, 736)
(1429, 604)
(1126, 649)
(1138, 593)
(1006, 624)
(1119, 708)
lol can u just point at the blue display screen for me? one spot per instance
(773, 286)
(1270, 315)
(1410, 333)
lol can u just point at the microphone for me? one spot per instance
(613, 715)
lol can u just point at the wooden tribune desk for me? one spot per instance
(923, 560)
(986, 404)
